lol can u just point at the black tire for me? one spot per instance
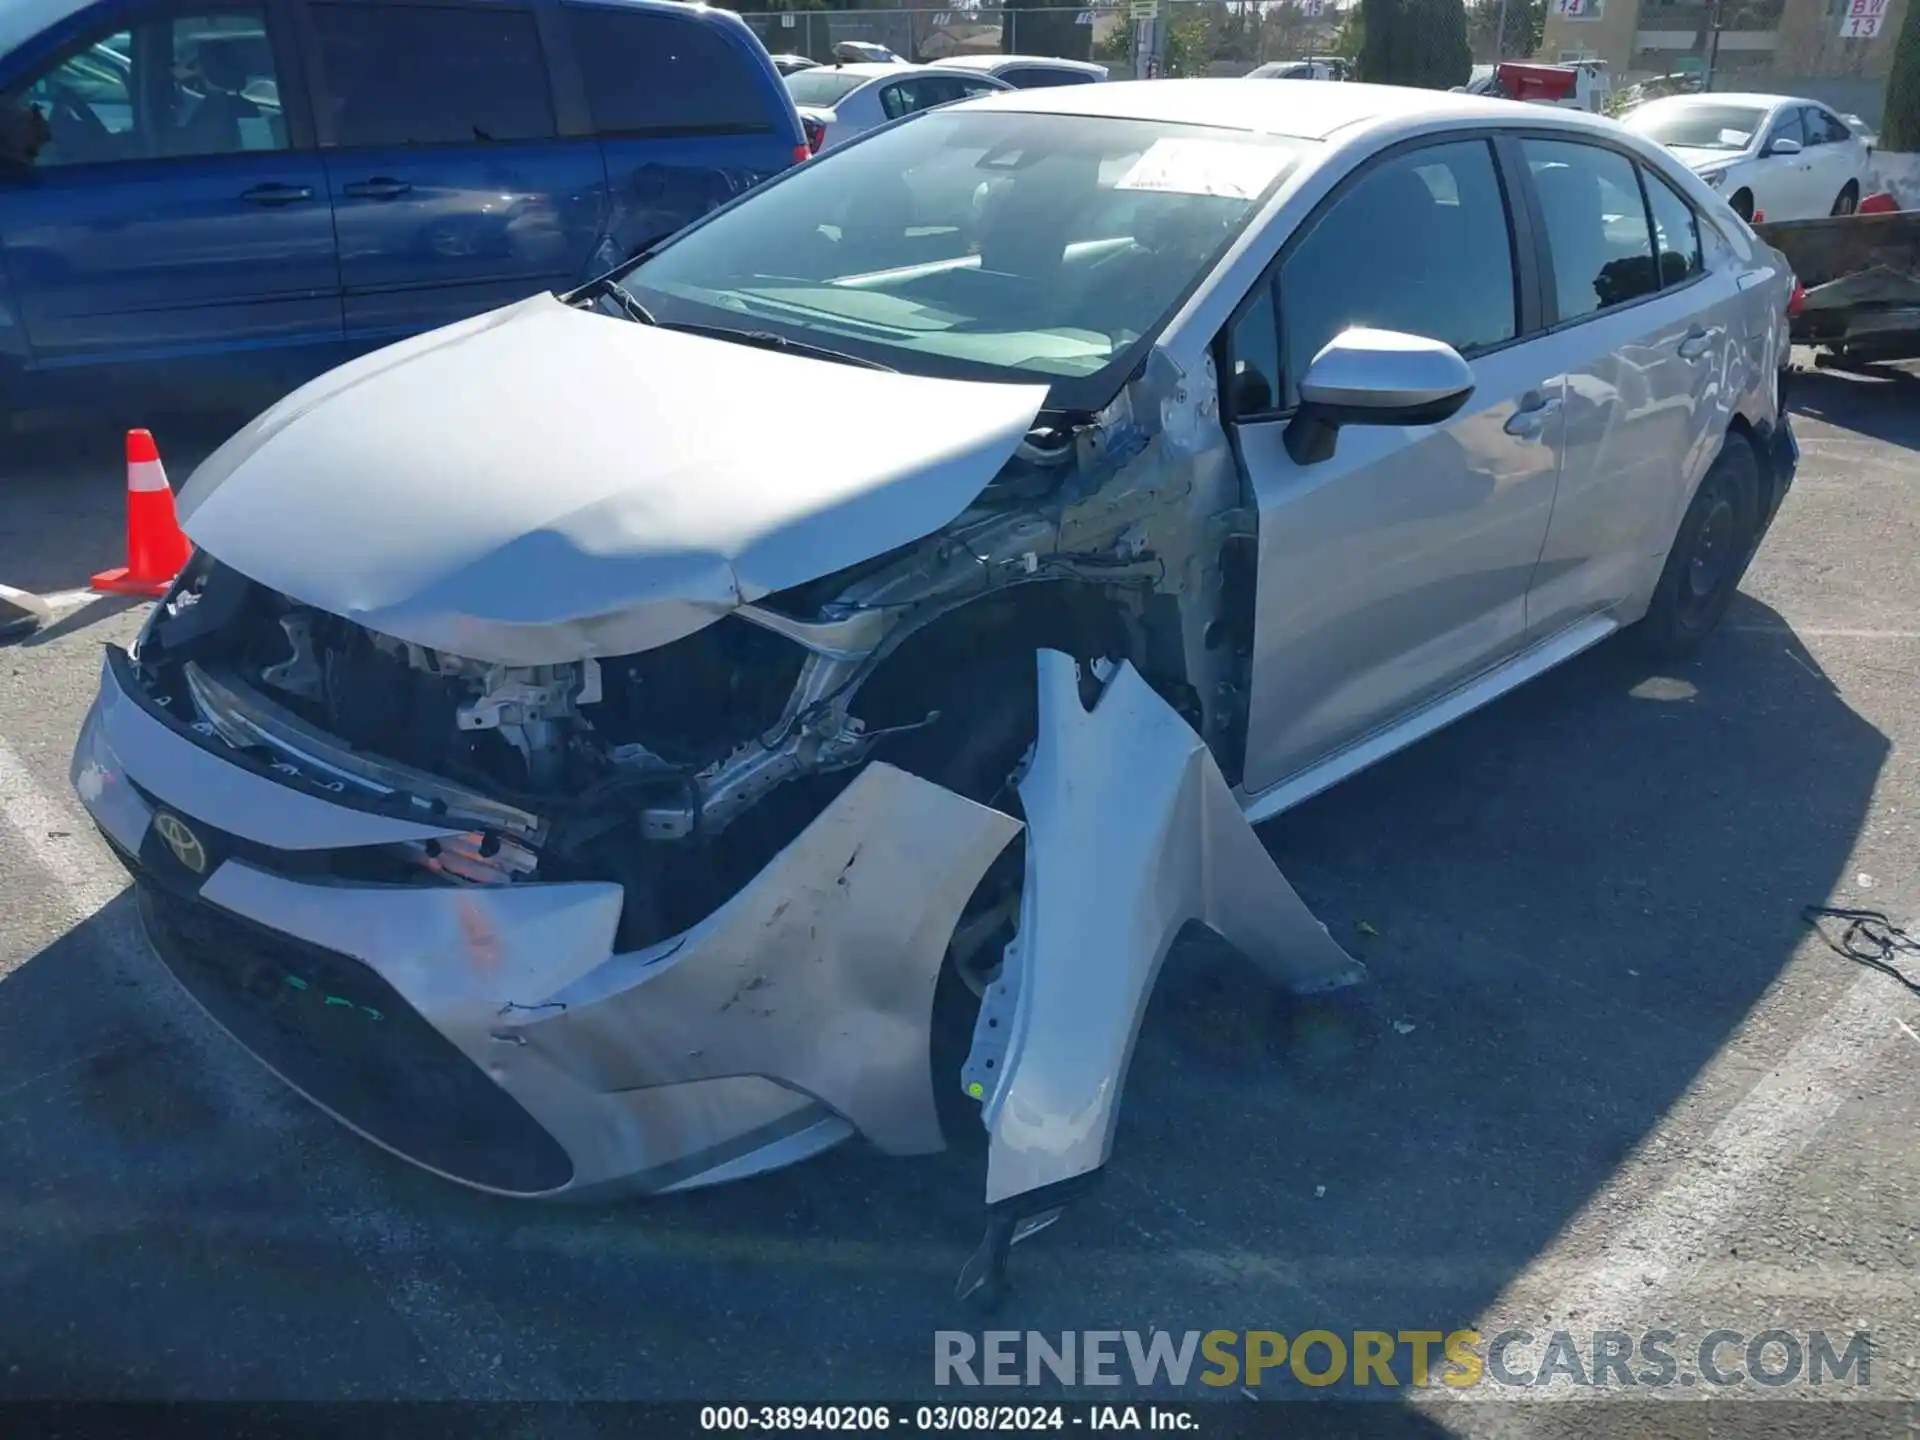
(1848, 200)
(1709, 555)
(1742, 203)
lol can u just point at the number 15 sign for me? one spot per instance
(1580, 9)
(1861, 19)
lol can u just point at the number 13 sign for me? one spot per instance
(1861, 19)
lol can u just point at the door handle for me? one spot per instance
(1696, 343)
(273, 193)
(1533, 419)
(378, 188)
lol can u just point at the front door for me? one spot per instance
(1396, 570)
(172, 229)
(453, 191)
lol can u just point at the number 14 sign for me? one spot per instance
(1861, 19)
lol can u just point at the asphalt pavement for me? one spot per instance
(1603, 1075)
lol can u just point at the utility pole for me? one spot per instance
(1500, 34)
(1714, 18)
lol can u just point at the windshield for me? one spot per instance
(985, 244)
(1699, 127)
(821, 86)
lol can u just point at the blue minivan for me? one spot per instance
(210, 201)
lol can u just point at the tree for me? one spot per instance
(1900, 118)
(1526, 21)
(1416, 42)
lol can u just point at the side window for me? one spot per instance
(1253, 347)
(1787, 127)
(1835, 129)
(1419, 244)
(1813, 130)
(1596, 226)
(969, 89)
(653, 74)
(896, 100)
(411, 75)
(1676, 230)
(938, 90)
(173, 87)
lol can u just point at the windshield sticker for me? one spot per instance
(1736, 138)
(1205, 167)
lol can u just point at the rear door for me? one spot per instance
(1830, 152)
(454, 189)
(689, 113)
(1644, 349)
(174, 231)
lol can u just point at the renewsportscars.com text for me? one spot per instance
(1518, 1359)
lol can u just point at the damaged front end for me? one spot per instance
(663, 917)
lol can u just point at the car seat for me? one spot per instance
(214, 127)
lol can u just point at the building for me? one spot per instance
(1838, 51)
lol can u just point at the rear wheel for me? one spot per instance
(1848, 200)
(1742, 203)
(1709, 555)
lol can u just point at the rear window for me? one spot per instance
(652, 74)
(1038, 78)
(823, 86)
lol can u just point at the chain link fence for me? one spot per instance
(1836, 51)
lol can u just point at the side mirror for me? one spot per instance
(1375, 377)
(1784, 146)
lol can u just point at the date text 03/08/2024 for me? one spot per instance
(812, 1419)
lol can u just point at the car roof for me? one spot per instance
(1307, 112)
(1733, 97)
(996, 62)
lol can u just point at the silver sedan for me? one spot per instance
(797, 686)
(838, 102)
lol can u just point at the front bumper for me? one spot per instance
(490, 1034)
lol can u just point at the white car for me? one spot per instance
(1030, 72)
(1299, 70)
(1774, 157)
(838, 102)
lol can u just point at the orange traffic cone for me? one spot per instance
(156, 550)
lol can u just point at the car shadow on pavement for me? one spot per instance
(1879, 401)
(1567, 902)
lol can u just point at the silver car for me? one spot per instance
(797, 686)
(839, 102)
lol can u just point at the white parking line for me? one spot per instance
(1815, 632)
(1660, 1245)
(62, 601)
(474, 1348)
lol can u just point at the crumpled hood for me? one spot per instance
(542, 484)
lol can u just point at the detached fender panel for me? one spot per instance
(819, 975)
(1132, 833)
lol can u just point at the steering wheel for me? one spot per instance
(71, 119)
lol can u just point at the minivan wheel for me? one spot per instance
(1709, 555)
(1848, 200)
(1742, 203)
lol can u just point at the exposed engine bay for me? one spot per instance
(681, 770)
